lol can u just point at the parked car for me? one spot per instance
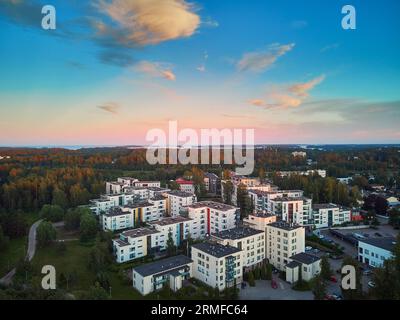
(316, 250)
(308, 248)
(274, 285)
(333, 279)
(337, 296)
(377, 234)
(329, 297)
(244, 285)
(371, 284)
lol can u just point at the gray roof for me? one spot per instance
(293, 264)
(215, 249)
(284, 225)
(181, 194)
(305, 258)
(324, 206)
(138, 232)
(213, 205)
(162, 266)
(383, 243)
(237, 233)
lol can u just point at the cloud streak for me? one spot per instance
(110, 107)
(155, 70)
(260, 61)
(288, 97)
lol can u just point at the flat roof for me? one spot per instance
(215, 249)
(139, 232)
(237, 233)
(163, 265)
(212, 204)
(138, 204)
(115, 211)
(305, 258)
(325, 206)
(158, 197)
(384, 243)
(287, 199)
(262, 214)
(181, 194)
(284, 225)
(169, 220)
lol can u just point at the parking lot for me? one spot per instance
(264, 291)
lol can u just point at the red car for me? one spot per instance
(333, 279)
(274, 285)
(329, 297)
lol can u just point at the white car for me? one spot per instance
(371, 284)
(309, 248)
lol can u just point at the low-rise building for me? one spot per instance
(308, 264)
(375, 251)
(185, 185)
(259, 220)
(212, 183)
(250, 241)
(328, 214)
(284, 240)
(217, 265)
(153, 276)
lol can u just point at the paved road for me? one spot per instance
(29, 254)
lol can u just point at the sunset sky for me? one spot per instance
(112, 70)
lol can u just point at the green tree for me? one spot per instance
(250, 279)
(171, 248)
(96, 292)
(4, 240)
(269, 271)
(60, 198)
(45, 234)
(326, 271)
(53, 213)
(318, 288)
(227, 192)
(99, 258)
(87, 227)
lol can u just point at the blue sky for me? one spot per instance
(285, 68)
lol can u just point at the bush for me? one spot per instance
(45, 234)
(53, 213)
(251, 280)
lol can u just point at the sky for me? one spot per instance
(114, 69)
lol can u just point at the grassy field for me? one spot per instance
(17, 247)
(16, 250)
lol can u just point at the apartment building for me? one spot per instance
(284, 240)
(212, 183)
(137, 243)
(117, 187)
(217, 265)
(292, 209)
(177, 200)
(321, 173)
(259, 220)
(329, 214)
(134, 214)
(212, 217)
(375, 251)
(117, 218)
(114, 187)
(179, 227)
(185, 185)
(261, 198)
(308, 264)
(251, 242)
(153, 276)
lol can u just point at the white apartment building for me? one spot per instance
(134, 214)
(114, 187)
(177, 201)
(261, 198)
(211, 217)
(179, 227)
(308, 264)
(284, 240)
(117, 187)
(329, 214)
(137, 243)
(259, 220)
(217, 265)
(153, 276)
(117, 219)
(292, 210)
(251, 242)
(300, 154)
(321, 173)
(148, 184)
(375, 251)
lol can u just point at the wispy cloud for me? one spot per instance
(299, 24)
(202, 67)
(116, 57)
(111, 107)
(287, 97)
(262, 60)
(155, 69)
(330, 47)
(147, 22)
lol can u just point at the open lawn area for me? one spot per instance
(15, 251)
(74, 260)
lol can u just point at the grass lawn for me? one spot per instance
(15, 251)
(17, 247)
